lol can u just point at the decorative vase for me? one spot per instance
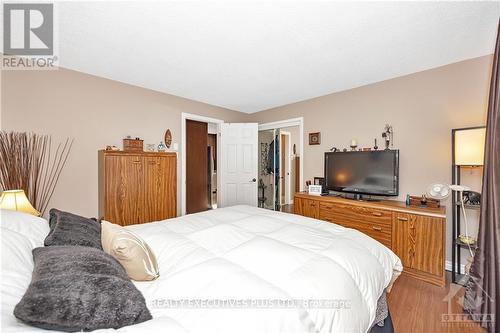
(161, 146)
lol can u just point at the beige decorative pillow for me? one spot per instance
(130, 250)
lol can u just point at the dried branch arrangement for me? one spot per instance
(28, 162)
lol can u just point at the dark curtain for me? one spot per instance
(482, 297)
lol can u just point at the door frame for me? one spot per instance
(288, 176)
(185, 116)
(289, 123)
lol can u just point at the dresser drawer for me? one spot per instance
(352, 213)
(372, 222)
(381, 233)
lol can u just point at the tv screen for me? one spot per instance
(363, 172)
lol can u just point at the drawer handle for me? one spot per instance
(377, 228)
(376, 214)
(313, 205)
(136, 162)
(402, 218)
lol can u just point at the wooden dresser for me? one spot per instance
(137, 187)
(415, 234)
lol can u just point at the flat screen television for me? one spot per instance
(363, 172)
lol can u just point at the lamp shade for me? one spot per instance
(469, 146)
(17, 200)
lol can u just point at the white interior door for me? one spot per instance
(238, 164)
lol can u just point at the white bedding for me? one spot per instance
(240, 254)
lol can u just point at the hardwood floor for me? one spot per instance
(420, 307)
(287, 208)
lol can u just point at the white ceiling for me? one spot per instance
(255, 56)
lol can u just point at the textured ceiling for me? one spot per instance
(255, 56)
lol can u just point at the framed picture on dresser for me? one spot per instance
(319, 181)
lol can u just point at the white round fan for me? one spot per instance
(439, 191)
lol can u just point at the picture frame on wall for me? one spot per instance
(315, 138)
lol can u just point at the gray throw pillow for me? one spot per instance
(75, 288)
(71, 229)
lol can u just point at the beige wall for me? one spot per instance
(95, 112)
(422, 107)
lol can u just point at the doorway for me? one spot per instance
(196, 167)
(212, 168)
(199, 170)
(279, 167)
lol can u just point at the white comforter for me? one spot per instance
(225, 270)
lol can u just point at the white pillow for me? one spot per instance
(34, 228)
(20, 233)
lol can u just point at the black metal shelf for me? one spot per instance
(461, 279)
(468, 206)
(456, 276)
(458, 242)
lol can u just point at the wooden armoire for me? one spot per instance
(137, 187)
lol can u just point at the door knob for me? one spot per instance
(253, 180)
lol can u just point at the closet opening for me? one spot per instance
(279, 167)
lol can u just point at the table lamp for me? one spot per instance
(17, 200)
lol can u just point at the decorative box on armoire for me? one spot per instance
(137, 187)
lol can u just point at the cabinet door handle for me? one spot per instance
(377, 228)
(376, 214)
(136, 162)
(402, 218)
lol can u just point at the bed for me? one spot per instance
(237, 269)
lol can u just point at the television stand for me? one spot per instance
(415, 234)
